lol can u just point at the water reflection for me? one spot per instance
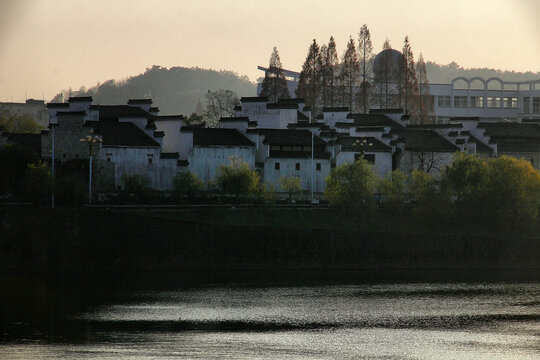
(372, 321)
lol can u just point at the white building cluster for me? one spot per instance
(276, 139)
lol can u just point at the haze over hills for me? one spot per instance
(178, 90)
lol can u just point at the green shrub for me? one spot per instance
(14, 161)
(392, 190)
(351, 185)
(290, 185)
(186, 183)
(134, 184)
(38, 183)
(237, 178)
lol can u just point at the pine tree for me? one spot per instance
(330, 63)
(366, 53)
(423, 89)
(274, 84)
(309, 83)
(350, 68)
(384, 76)
(410, 83)
(386, 44)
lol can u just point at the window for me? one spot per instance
(526, 103)
(510, 102)
(318, 167)
(296, 148)
(297, 166)
(493, 101)
(477, 101)
(286, 148)
(536, 105)
(276, 166)
(444, 101)
(307, 148)
(275, 148)
(460, 101)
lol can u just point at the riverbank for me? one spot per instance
(129, 241)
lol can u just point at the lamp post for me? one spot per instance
(93, 147)
(361, 146)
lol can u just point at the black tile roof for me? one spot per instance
(219, 137)
(374, 120)
(300, 116)
(254, 99)
(71, 113)
(234, 119)
(139, 101)
(295, 101)
(511, 130)
(80, 99)
(425, 141)
(347, 144)
(435, 126)
(289, 137)
(336, 109)
(113, 112)
(465, 118)
(480, 146)
(115, 133)
(57, 105)
(317, 154)
(168, 117)
(385, 111)
(282, 105)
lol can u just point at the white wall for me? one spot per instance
(171, 128)
(205, 161)
(131, 161)
(288, 168)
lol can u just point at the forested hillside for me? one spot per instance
(443, 74)
(177, 90)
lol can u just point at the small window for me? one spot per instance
(296, 148)
(460, 101)
(286, 148)
(318, 167)
(276, 166)
(297, 166)
(149, 160)
(108, 159)
(444, 101)
(275, 148)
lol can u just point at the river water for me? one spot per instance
(367, 321)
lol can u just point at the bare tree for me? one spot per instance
(365, 49)
(350, 68)
(219, 103)
(423, 90)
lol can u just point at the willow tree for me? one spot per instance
(365, 49)
(350, 68)
(309, 83)
(274, 84)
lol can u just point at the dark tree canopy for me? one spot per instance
(423, 90)
(330, 63)
(410, 83)
(309, 84)
(274, 84)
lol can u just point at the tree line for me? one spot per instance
(500, 193)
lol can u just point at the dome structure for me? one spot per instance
(387, 65)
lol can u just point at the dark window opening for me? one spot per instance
(297, 166)
(318, 167)
(149, 160)
(276, 166)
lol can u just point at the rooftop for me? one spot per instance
(425, 141)
(127, 134)
(219, 137)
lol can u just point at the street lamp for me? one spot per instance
(94, 143)
(361, 146)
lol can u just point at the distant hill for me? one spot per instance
(177, 90)
(443, 74)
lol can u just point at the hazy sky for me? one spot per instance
(50, 45)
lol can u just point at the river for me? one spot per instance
(239, 321)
